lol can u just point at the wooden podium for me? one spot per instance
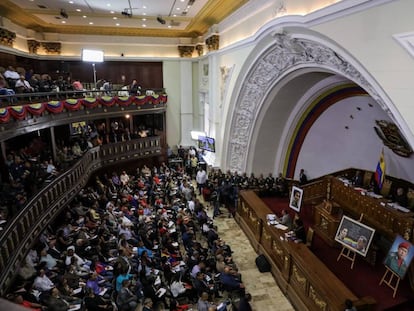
(327, 220)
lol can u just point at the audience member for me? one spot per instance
(134, 88)
(126, 299)
(286, 219)
(11, 73)
(77, 85)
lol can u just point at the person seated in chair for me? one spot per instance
(286, 219)
(299, 230)
(231, 282)
(400, 197)
(281, 185)
(95, 302)
(126, 299)
(23, 86)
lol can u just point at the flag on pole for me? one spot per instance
(380, 171)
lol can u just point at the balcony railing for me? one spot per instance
(23, 230)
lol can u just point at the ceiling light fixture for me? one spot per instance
(63, 13)
(161, 20)
(126, 13)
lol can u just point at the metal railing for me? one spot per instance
(25, 98)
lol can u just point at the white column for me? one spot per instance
(186, 78)
(215, 111)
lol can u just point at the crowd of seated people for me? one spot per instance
(29, 168)
(130, 238)
(22, 81)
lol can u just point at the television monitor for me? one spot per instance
(354, 235)
(207, 143)
(77, 128)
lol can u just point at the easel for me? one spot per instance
(347, 252)
(390, 280)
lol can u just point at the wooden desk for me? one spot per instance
(385, 220)
(326, 224)
(307, 282)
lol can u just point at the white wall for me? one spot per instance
(368, 37)
(330, 147)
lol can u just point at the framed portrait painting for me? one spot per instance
(296, 196)
(354, 235)
(399, 256)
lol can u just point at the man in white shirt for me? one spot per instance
(201, 179)
(10, 73)
(23, 86)
(42, 282)
(191, 205)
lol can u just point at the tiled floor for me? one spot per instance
(266, 295)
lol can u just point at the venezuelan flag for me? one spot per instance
(380, 171)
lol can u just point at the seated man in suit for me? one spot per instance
(231, 282)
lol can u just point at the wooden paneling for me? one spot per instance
(148, 74)
(308, 283)
(385, 220)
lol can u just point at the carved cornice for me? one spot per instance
(213, 43)
(7, 37)
(185, 50)
(200, 49)
(285, 54)
(33, 46)
(52, 48)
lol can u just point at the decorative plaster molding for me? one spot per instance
(406, 40)
(213, 42)
(226, 73)
(53, 48)
(7, 37)
(200, 49)
(283, 56)
(33, 46)
(186, 50)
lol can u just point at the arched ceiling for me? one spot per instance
(271, 135)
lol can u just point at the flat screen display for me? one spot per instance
(94, 56)
(207, 143)
(77, 128)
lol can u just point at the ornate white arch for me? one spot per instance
(286, 54)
